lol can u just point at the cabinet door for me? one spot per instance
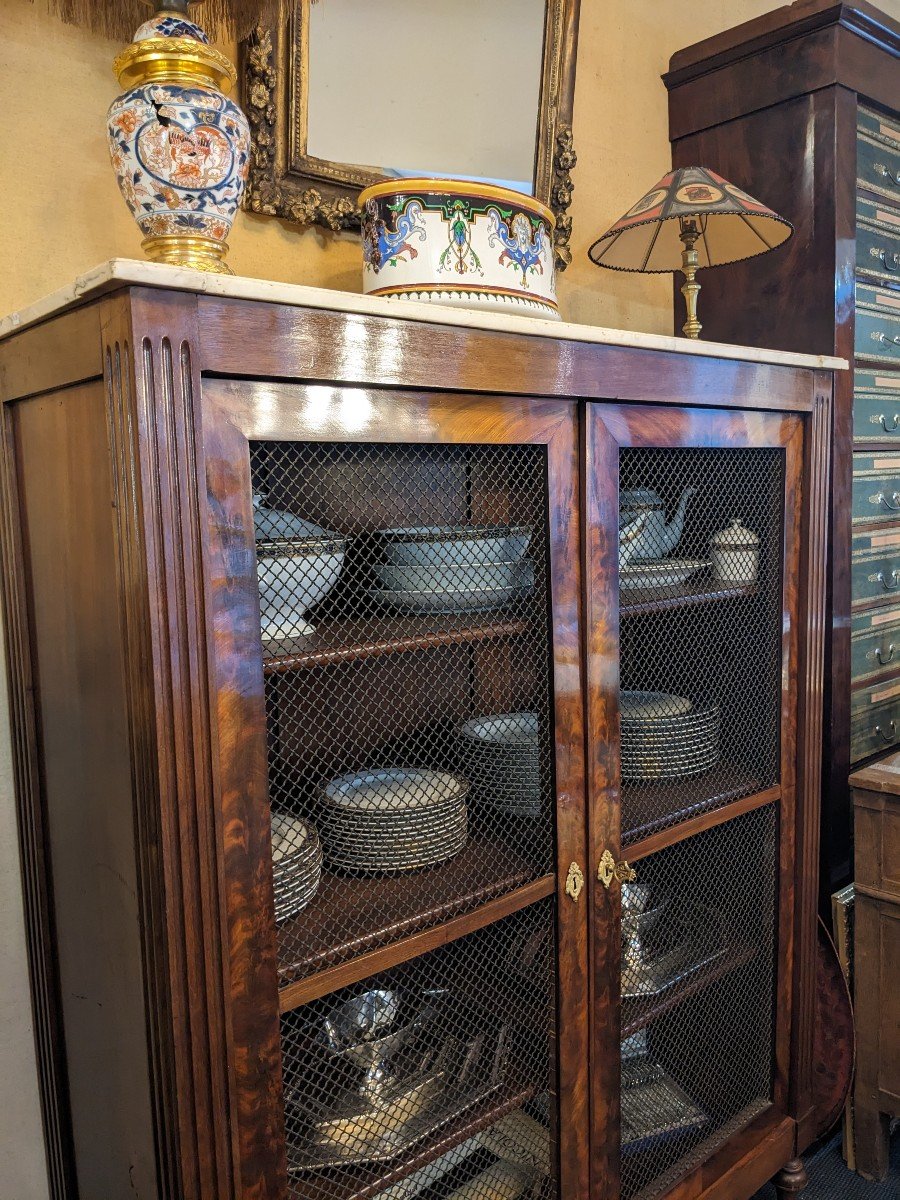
(692, 569)
(400, 720)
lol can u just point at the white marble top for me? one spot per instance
(119, 272)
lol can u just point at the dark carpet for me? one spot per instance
(829, 1178)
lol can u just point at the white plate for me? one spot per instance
(518, 729)
(290, 835)
(643, 706)
(659, 573)
(394, 789)
(475, 600)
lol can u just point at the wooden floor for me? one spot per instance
(829, 1178)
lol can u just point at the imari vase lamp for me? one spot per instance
(180, 147)
(692, 218)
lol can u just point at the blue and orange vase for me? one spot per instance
(180, 147)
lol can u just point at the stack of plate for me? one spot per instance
(449, 569)
(666, 736)
(499, 756)
(297, 864)
(397, 819)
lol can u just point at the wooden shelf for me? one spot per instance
(640, 1011)
(339, 937)
(648, 808)
(635, 602)
(343, 640)
(358, 1183)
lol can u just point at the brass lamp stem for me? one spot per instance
(690, 289)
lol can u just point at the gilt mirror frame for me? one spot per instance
(286, 181)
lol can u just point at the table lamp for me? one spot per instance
(692, 218)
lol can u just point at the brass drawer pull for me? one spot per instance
(885, 340)
(574, 881)
(895, 580)
(885, 503)
(887, 173)
(608, 870)
(889, 259)
(889, 428)
(880, 732)
(882, 661)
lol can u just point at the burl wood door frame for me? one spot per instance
(234, 414)
(610, 428)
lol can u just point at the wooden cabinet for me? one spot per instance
(384, 835)
(876, 958)
(800, 106)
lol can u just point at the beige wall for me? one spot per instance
(62, 214)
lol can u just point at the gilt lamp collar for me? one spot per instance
(649, 236)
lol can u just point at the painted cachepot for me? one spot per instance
(457, 242)
(180, 148)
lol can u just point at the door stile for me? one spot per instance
(794, 494)
(601, 625)
(572, 845)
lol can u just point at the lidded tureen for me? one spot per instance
(734, 553)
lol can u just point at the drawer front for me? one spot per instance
(875, 569)
(876, 406)
(873, 727)
(878, 154)
(875, 643)
(878, 694)
(877, 239)
(877, 323)
(876, 486)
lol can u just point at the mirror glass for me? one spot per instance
(423, 87)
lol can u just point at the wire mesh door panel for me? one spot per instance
(405, 614)
(405, 621)
(434, 1079)
(698, 998)
(701, 537)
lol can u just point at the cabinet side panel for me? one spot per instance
(65, 493)
(784, 156)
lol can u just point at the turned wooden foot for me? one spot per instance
(791, 1179)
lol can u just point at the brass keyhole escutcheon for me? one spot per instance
(608, 870)
(574, 881)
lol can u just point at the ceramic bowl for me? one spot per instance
(440, 545)
(453, 241)
(448, 579)
(481, 596)
(294, 574)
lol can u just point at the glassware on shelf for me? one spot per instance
(408, 1066)
(654, 1105)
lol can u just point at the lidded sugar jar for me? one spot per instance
(734, 553)
(180, 148)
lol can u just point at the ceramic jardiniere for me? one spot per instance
(456, 242)
(179, 146)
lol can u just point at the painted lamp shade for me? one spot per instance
(732, 225)
(459, 242)
(692, 218)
